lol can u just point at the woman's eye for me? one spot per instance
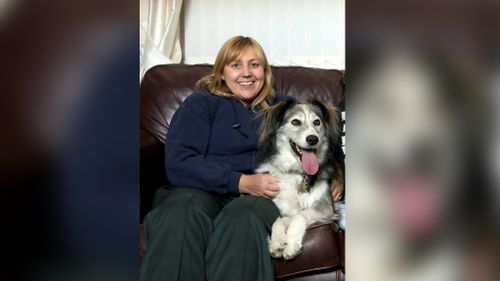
(255, 65)
(317, 122)
(235, 65)
(296, 122)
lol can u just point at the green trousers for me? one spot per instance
(195, 235)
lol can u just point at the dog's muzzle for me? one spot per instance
(308, 159)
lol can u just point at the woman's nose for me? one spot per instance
(246, 71)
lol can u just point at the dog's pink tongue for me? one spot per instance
(309, 163)
(418, 209)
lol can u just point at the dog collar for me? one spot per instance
(307, 182)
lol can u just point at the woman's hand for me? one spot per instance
(336, 187)
(264, 185)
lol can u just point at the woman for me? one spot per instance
(201, 228)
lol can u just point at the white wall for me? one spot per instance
(292, 32)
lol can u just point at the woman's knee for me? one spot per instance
(183, 204)
(252, 207)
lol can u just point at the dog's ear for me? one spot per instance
(272, 117)
(332, 116)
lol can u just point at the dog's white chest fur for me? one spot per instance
(290, 200)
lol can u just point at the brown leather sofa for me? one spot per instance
(163, 89)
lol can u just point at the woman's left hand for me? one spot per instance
(336, 187)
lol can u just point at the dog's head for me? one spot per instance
(305, 132)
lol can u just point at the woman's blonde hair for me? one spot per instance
(230, 51)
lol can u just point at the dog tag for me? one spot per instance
(304, 185)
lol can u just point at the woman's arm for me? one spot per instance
(337, 188)
(185, 147)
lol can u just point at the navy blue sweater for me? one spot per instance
(211, 142)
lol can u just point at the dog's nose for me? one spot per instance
(312, 140)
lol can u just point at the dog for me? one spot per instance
(301, 145)
(405, 173)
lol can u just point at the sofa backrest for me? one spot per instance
(164, 88)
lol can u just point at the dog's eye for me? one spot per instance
(296, 122)
(317, 122)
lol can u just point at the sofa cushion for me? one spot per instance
(322, 252)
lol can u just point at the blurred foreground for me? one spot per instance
(423, 147)
(69, 144)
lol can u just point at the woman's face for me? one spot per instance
(244, 76)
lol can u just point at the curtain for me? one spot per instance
(160, 33)
(292, 32)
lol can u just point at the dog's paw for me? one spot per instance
(291, 250)
(276, 247)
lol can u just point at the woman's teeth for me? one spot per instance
(245, 83)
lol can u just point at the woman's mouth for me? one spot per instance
(246, 83)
